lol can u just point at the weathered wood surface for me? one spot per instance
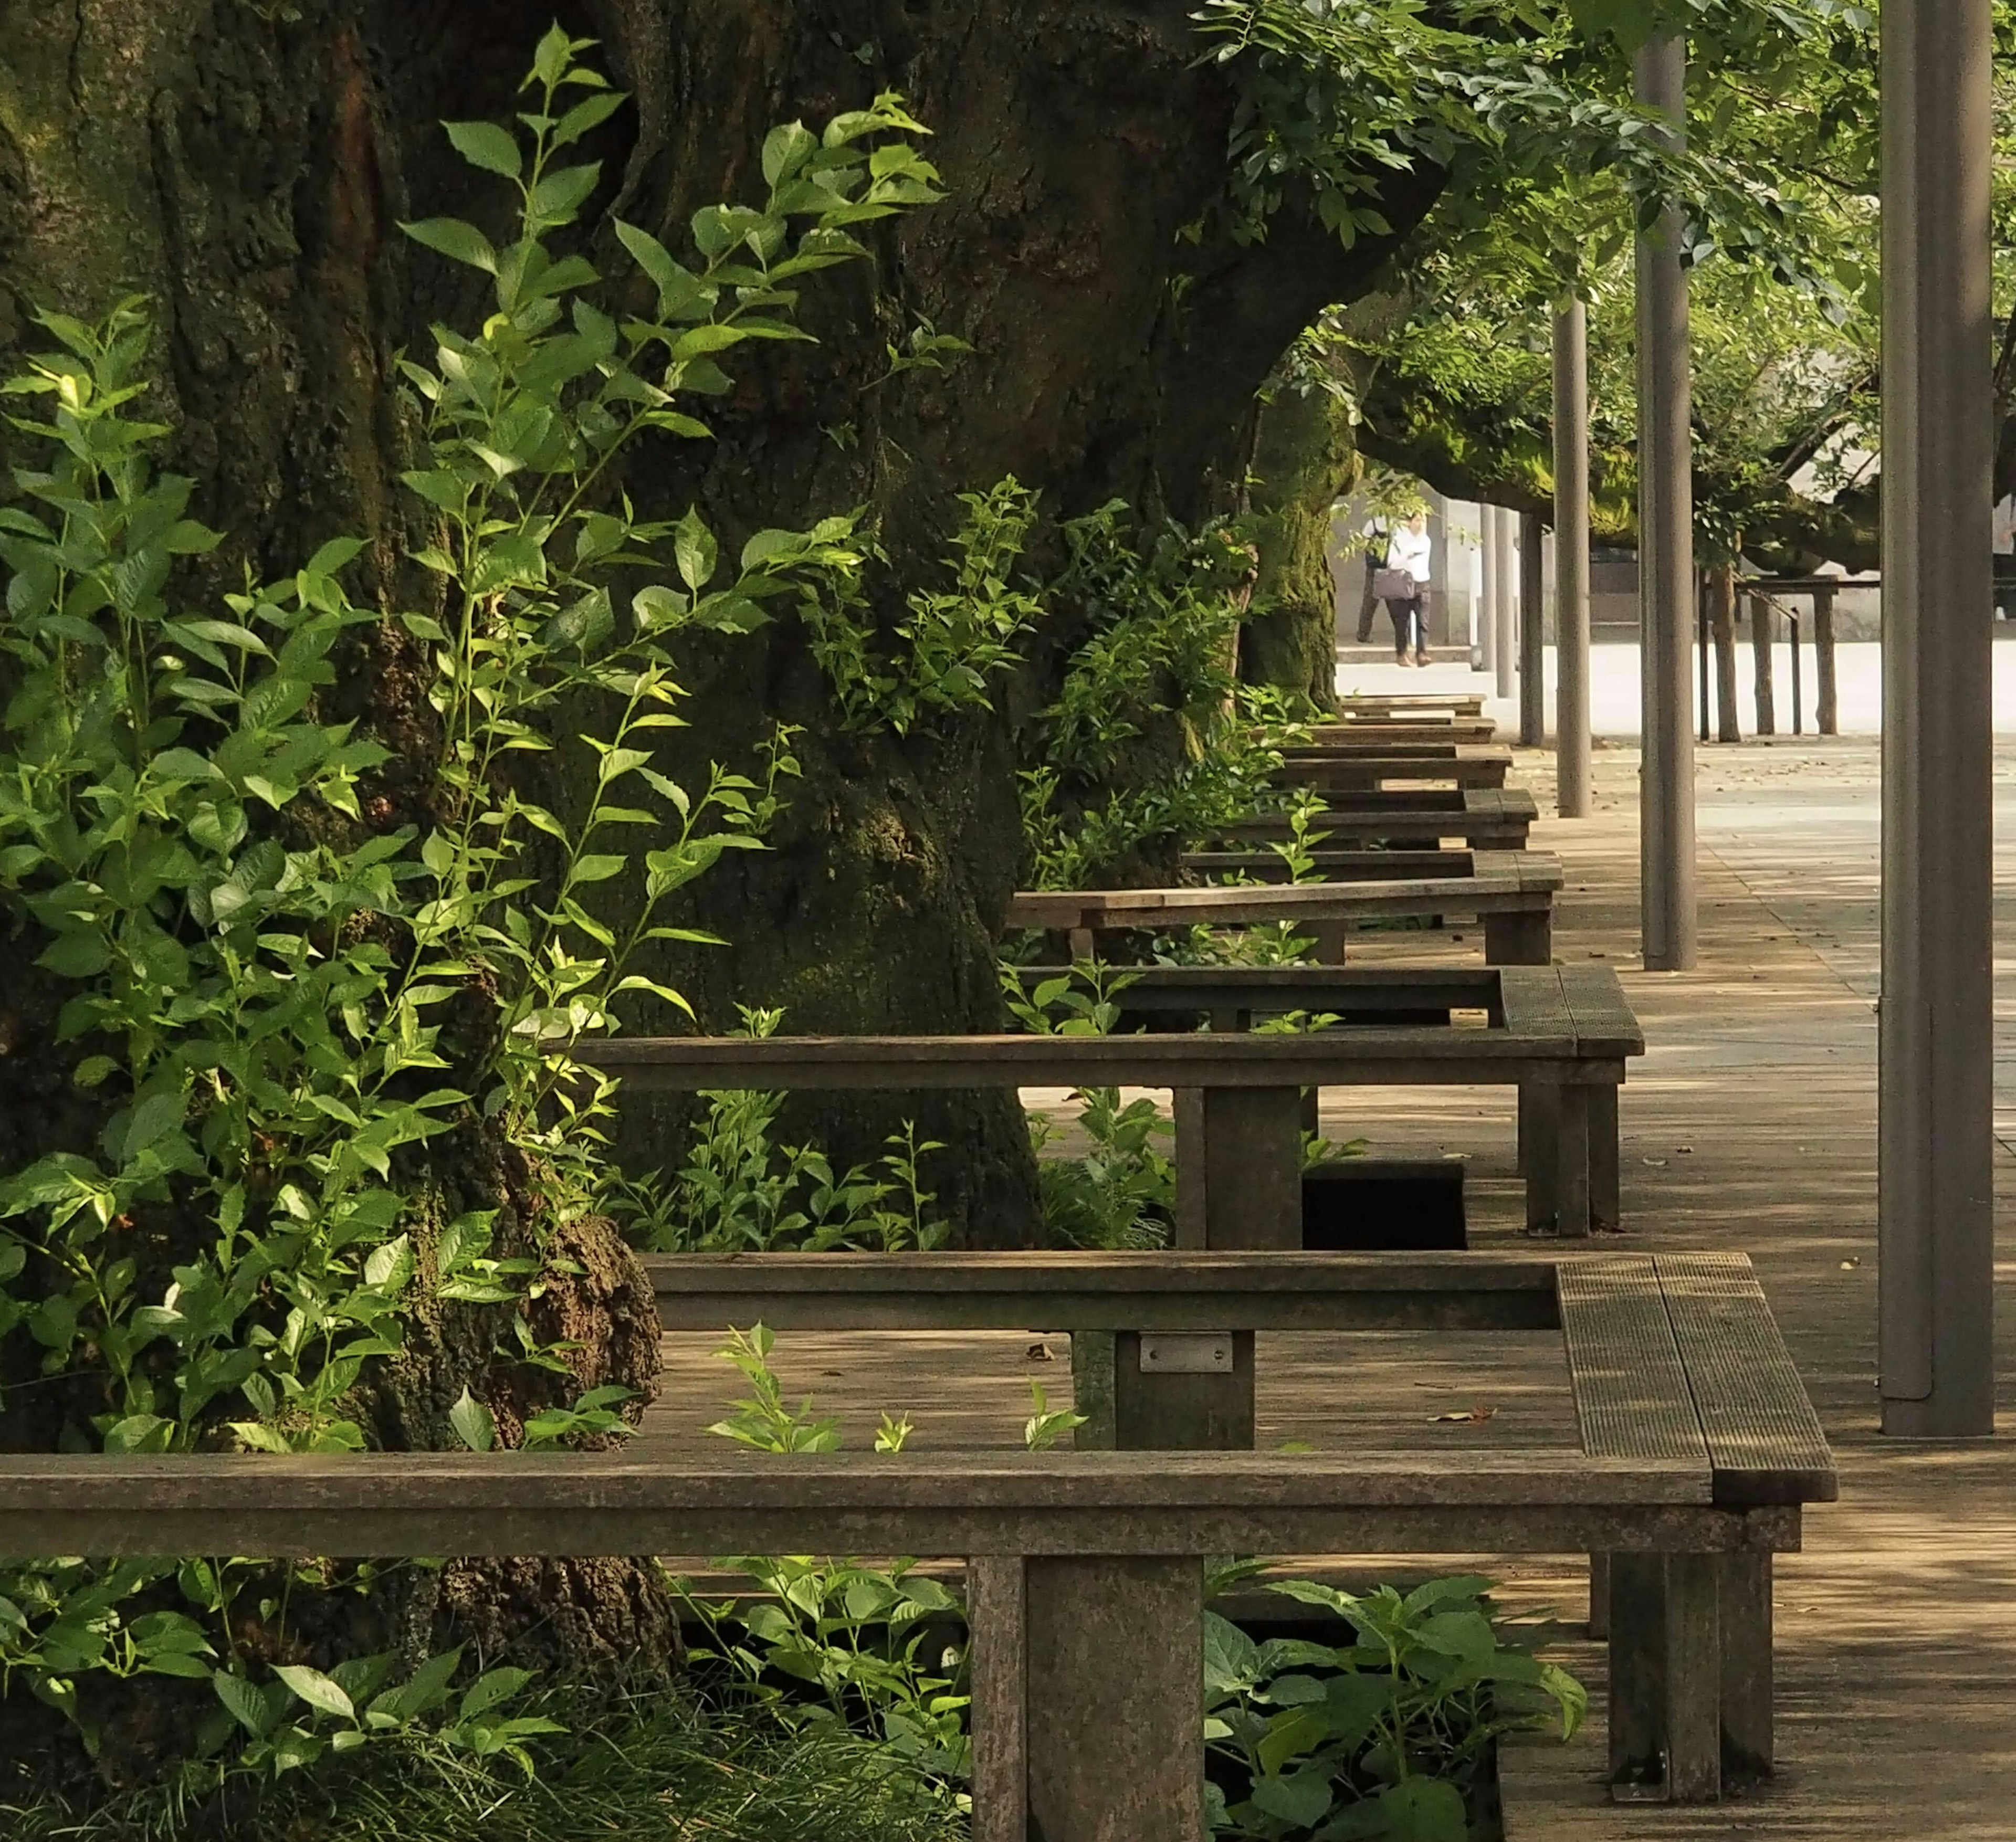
(1457, 765)
(1486, 882)
(1399, 726)
(1086, 1503)
(1377, 703)
(1484, 818)
(1172, 1290)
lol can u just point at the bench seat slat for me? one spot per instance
(1631, 1392)
(1604, 1022)
(1764, 1439)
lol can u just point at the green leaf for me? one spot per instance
(787, 148)
(316, 1690)
(1302, 1801)
(247, 1704)
(1423, 1810)
(474, 1424)
(485, 144)
(455, 239)
(694, 550)
(489, 1690)
(586, 115)
(77, 955)
(391, 1266)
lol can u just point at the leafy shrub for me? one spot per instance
(285, 994)
(1382, 1737)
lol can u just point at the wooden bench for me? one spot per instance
(1359, 705)
(1456, 764)
(1558, 1034)
(1084, 1569)
(1484, 819)
(1399, 726)
(1511, 892)
(1669, 1358)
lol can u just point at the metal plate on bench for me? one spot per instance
(1186, 1352)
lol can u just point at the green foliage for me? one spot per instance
(1149, 737)
(952, 642)
(764, 1421)
(1383, 1737)
(1121, 1193)
(741, 1192)
(1047, 1426)
(285, 994)
(650, 1765)
(862, 1641)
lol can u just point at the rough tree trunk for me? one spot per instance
(1304, 461)
(1722, 625)
(245, 163)
(1760, 648)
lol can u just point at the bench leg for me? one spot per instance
(1571, 1196)
(1539, 1160)
(1599, 1594)
(1747, 1738)
(1093, 1392)
(1252, 1140)
(1637, 1675)
(1606, 1187)
(1693, 1677)
(1522, 938)
(1113, 1660)
(1329, 938)
(1193, 1180)
(1182, 1412)
(996, 1617)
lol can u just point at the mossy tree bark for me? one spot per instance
(1304, 461)
(246, 163)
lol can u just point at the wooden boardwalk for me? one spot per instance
(1748, 1126)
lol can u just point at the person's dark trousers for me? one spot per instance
(1406, 617)
(1368, 606)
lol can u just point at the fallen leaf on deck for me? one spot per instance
(1475, 1416)
(1657, 1163)
(1846, 1265)
(1040, 1352)
(1295, 1445)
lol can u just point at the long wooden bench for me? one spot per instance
(1512, 892)
(1084, 1569)
(1359, 705)
(1484, 819)
(1400, 724)
(1558, 1034)
(1456, 764)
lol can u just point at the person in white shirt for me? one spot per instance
(1410, 552)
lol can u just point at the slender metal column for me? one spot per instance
(1665, 557)
(1532, 633)
(1488, 588)
(1571, 768)
(1504, 654)
(1935, 1192)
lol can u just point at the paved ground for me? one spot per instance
(1750, 1125)
(1614, 684)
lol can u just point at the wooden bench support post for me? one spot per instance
(1210, 1411)
(1693, 1677)
(1114, 1661)
(1523, 937)
(995, 1613)
(1748, 1752)
(1637, 1676)
(1666, 1670)
(1571, 1141)
(1538, 1117)
(1606, 1185)
(1599, 1596)
(1088, 1699)
(1330, 939)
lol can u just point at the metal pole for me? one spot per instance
(1571, 558)
(1505, 647)
(1792, 626)
(1532, 632)
(1487, 556)
(1700, 642)
(1665, 552)
(1935, 1199)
